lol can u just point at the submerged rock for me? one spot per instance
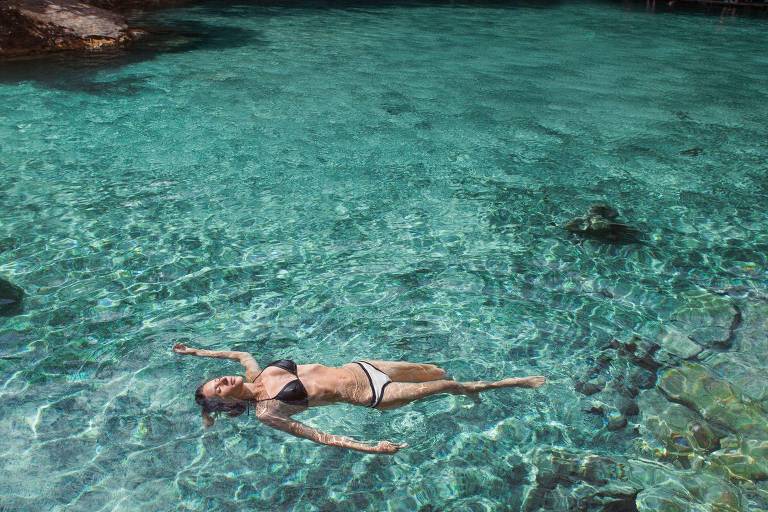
(677, 344)
(742, 458)
(29, 26)
(11, 298)
(615, 420)
(7, 244)
(640, 378)
(589, 387)
(603, 210)
(671, 430)
(669, 490)
(748, 374)
(612, 385)
(639, 351)
(692, 151)
(708, 319)
(570, 480)
(575, 480)
(752, 335)
(600, 224)
(712, 418)
(716, 400)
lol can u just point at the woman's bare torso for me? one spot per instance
(324, 384)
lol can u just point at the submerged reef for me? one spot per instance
(576, 480)
(11, 298)
(695, 397)
(600, 224)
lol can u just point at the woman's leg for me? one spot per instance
(403, 371)
(397, 394)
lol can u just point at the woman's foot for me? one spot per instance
(514, 382)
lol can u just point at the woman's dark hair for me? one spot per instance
(215, 404)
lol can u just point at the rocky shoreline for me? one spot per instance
(39, 26)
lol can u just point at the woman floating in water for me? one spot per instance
(284, 388)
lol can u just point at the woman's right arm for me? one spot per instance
(246, 359)
(300, 430)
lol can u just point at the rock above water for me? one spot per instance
(11, 298)
(29, 26)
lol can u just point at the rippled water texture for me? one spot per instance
(327, 184)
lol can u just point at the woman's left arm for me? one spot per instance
(246, 359)
(301, 430)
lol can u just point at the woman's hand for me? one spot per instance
(535, 381)
(389, 448)
(181, 348)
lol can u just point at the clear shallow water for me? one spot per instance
(327, 184)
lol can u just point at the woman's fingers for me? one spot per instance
(389, 447)
(181, 348)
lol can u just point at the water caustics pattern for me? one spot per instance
(329, 183)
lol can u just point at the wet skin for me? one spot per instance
(327, 385)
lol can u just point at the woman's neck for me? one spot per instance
(253, 391)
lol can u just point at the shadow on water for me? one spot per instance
(346, 4)
(74, 70)
(735, 9)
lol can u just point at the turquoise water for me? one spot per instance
(328, 184)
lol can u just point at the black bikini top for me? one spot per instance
(294, 392)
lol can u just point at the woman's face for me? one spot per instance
(224, 387)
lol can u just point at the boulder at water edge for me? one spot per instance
(30, 26)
